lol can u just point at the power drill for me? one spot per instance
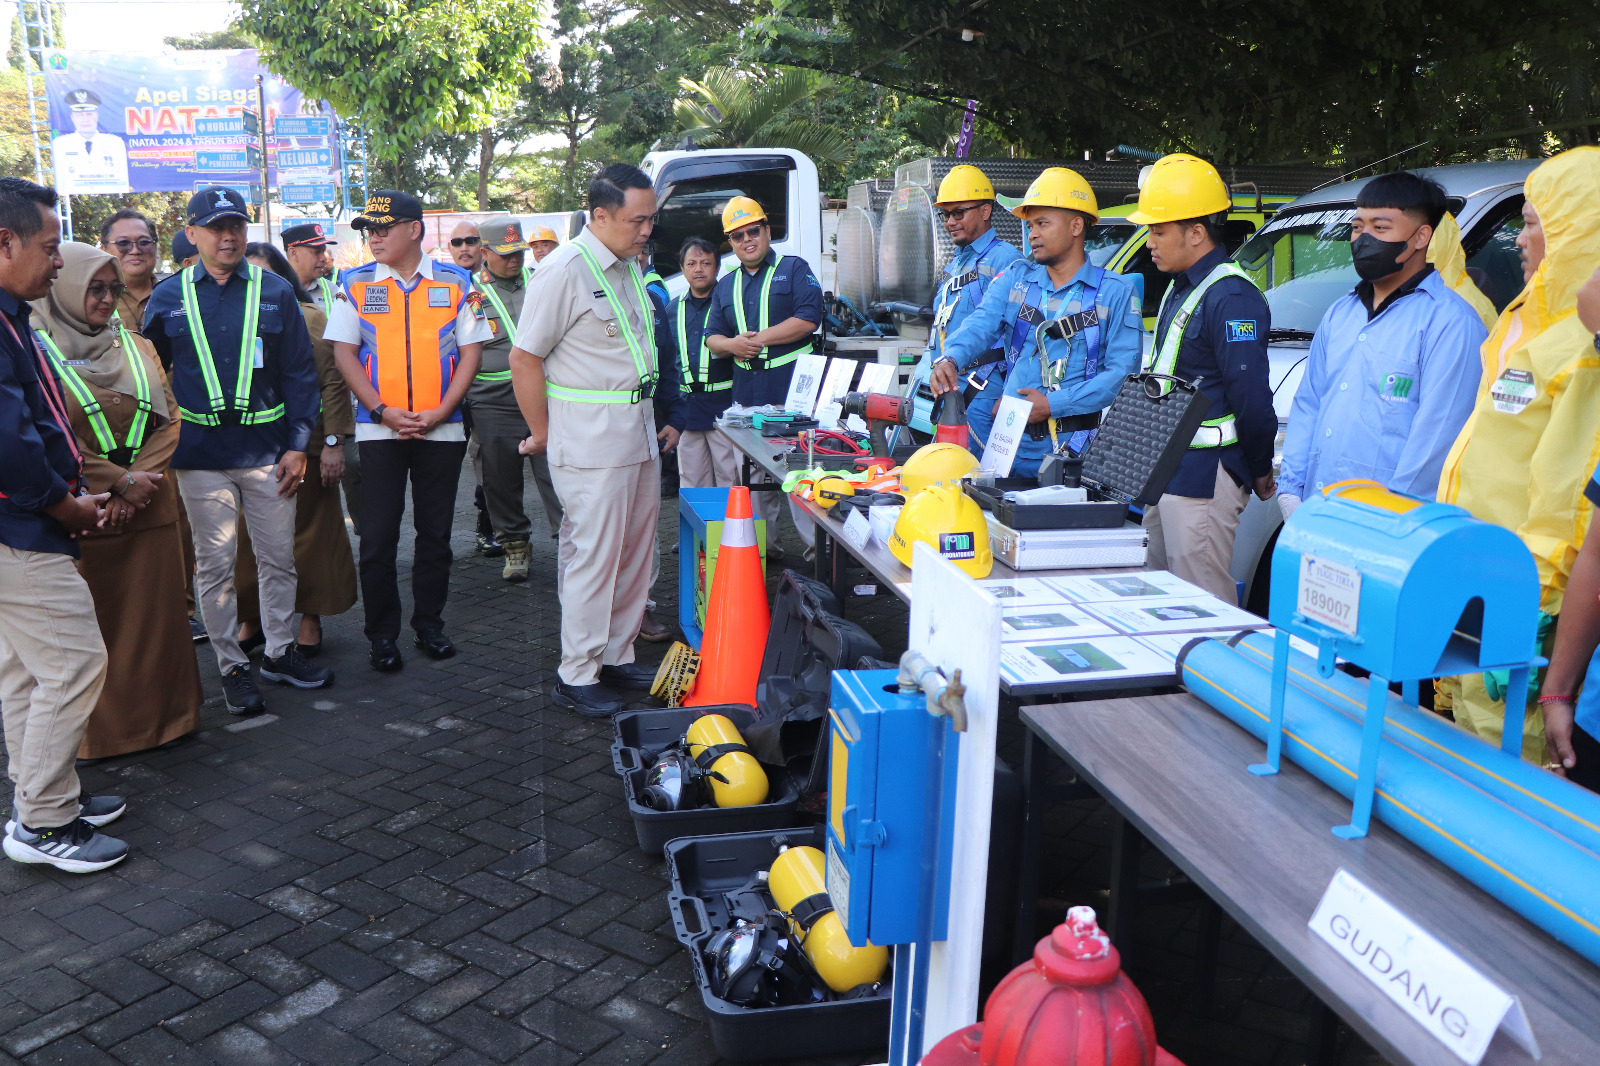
(880, 411)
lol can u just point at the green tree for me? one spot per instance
(234, 36)
(405, 68)
(732, 109)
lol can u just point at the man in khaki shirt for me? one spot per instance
(583, 365)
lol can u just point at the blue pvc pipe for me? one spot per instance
(1437, 801)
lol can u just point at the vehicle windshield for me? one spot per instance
(1302, 263)
(1105, 237)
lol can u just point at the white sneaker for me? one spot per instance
(96, 810)
(77, 848)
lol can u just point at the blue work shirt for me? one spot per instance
(667, 373)
(1587, 712)
(39, 462)
(1118, 338)
(795, 294)
(693, 411)
(287, 375)
(966, 280)
(1384, 394)
(1225, 346)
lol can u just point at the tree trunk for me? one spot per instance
(572, 166)
(485, 163)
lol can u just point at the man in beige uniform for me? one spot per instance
(584, 367)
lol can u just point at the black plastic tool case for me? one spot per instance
(641, 735)
(702, 870)
(1095, 514)
(1142, 439)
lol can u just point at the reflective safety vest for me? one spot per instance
(641, 348)
(220, 411)
(487, 288)
(762, 361)
(92, 410)
(408, 336)
(327, 294)
(1163, 358)
(692, 382)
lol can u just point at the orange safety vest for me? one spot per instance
(408, 337)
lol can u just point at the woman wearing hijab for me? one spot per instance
(322, 556)
(125, 419)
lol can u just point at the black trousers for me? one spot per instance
(1587, 749)
(434, 469)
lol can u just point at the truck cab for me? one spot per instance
(692, 186)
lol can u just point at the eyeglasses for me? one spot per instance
(124, 246)
(465, 242)
(956, 214)
(100, 290)
(748, 234)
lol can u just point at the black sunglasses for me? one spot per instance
(468, 242)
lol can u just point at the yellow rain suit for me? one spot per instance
(1533, 439)
(1450, 260)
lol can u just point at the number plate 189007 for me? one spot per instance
(1329, 593)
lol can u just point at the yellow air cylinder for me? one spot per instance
(740, 781)
(800, 889)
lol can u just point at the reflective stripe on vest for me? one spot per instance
(765, 361)
(328, 295)
(408, 347)
(636, 347)
(1163, 359)
(487, 288)
(705, 383)
(91, 407)
(208, 367)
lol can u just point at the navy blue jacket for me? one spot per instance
(693, 411)
(795, 294)
(288, 374)
(1225, 345)
(39, 462)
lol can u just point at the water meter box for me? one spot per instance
(703, 871)
(639, 736)
(880, 771)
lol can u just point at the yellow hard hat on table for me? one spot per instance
(740, 212)
(951, 522)
(1060, 187)
(942, 463)
(964, 182)
(1179, 187)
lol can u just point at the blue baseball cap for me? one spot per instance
(214, 202)
(182, 247)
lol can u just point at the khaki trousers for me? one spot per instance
(707, 460)
(214, 499)
(52, 669)
(607, 559)
(1193, 537)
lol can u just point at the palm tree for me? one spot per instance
(726, 109)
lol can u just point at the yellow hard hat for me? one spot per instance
(964, 182)
(1060, 187)
(543, 233)
(739, 212)
(936, 464)
(951, 522)
(1179, 187)
(830, 490)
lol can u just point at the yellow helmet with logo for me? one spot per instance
(1179, 187)
(964, 182)
(936, 464)
(1060, 187)
(543, 233)
(951, 522)
(739, 212)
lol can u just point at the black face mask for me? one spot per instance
(1376, 259)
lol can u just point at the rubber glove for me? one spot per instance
(1498, 682)
(1287, 505)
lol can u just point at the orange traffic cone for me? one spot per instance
(737, 615)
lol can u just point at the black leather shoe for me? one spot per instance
(591, 701)
(630, 678)
(435, 645)
(385, 656)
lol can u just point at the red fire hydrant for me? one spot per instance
(1071, 1006)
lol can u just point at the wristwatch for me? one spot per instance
(377, 413)
(332, 440)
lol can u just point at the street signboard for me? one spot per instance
(250, 193)
(303, 126)
(222, 161)
(308, 194)
(309, 159)
(232, 126)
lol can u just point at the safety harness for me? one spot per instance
(948, 297)
(636, 347)
(94, 412)
(487, 288)
(762, 361)
(1163, 359)
(221, 413)
(704, 383)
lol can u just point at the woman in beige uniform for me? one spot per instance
(323, 560)
(125, 419)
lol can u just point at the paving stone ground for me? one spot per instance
(437, 867)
